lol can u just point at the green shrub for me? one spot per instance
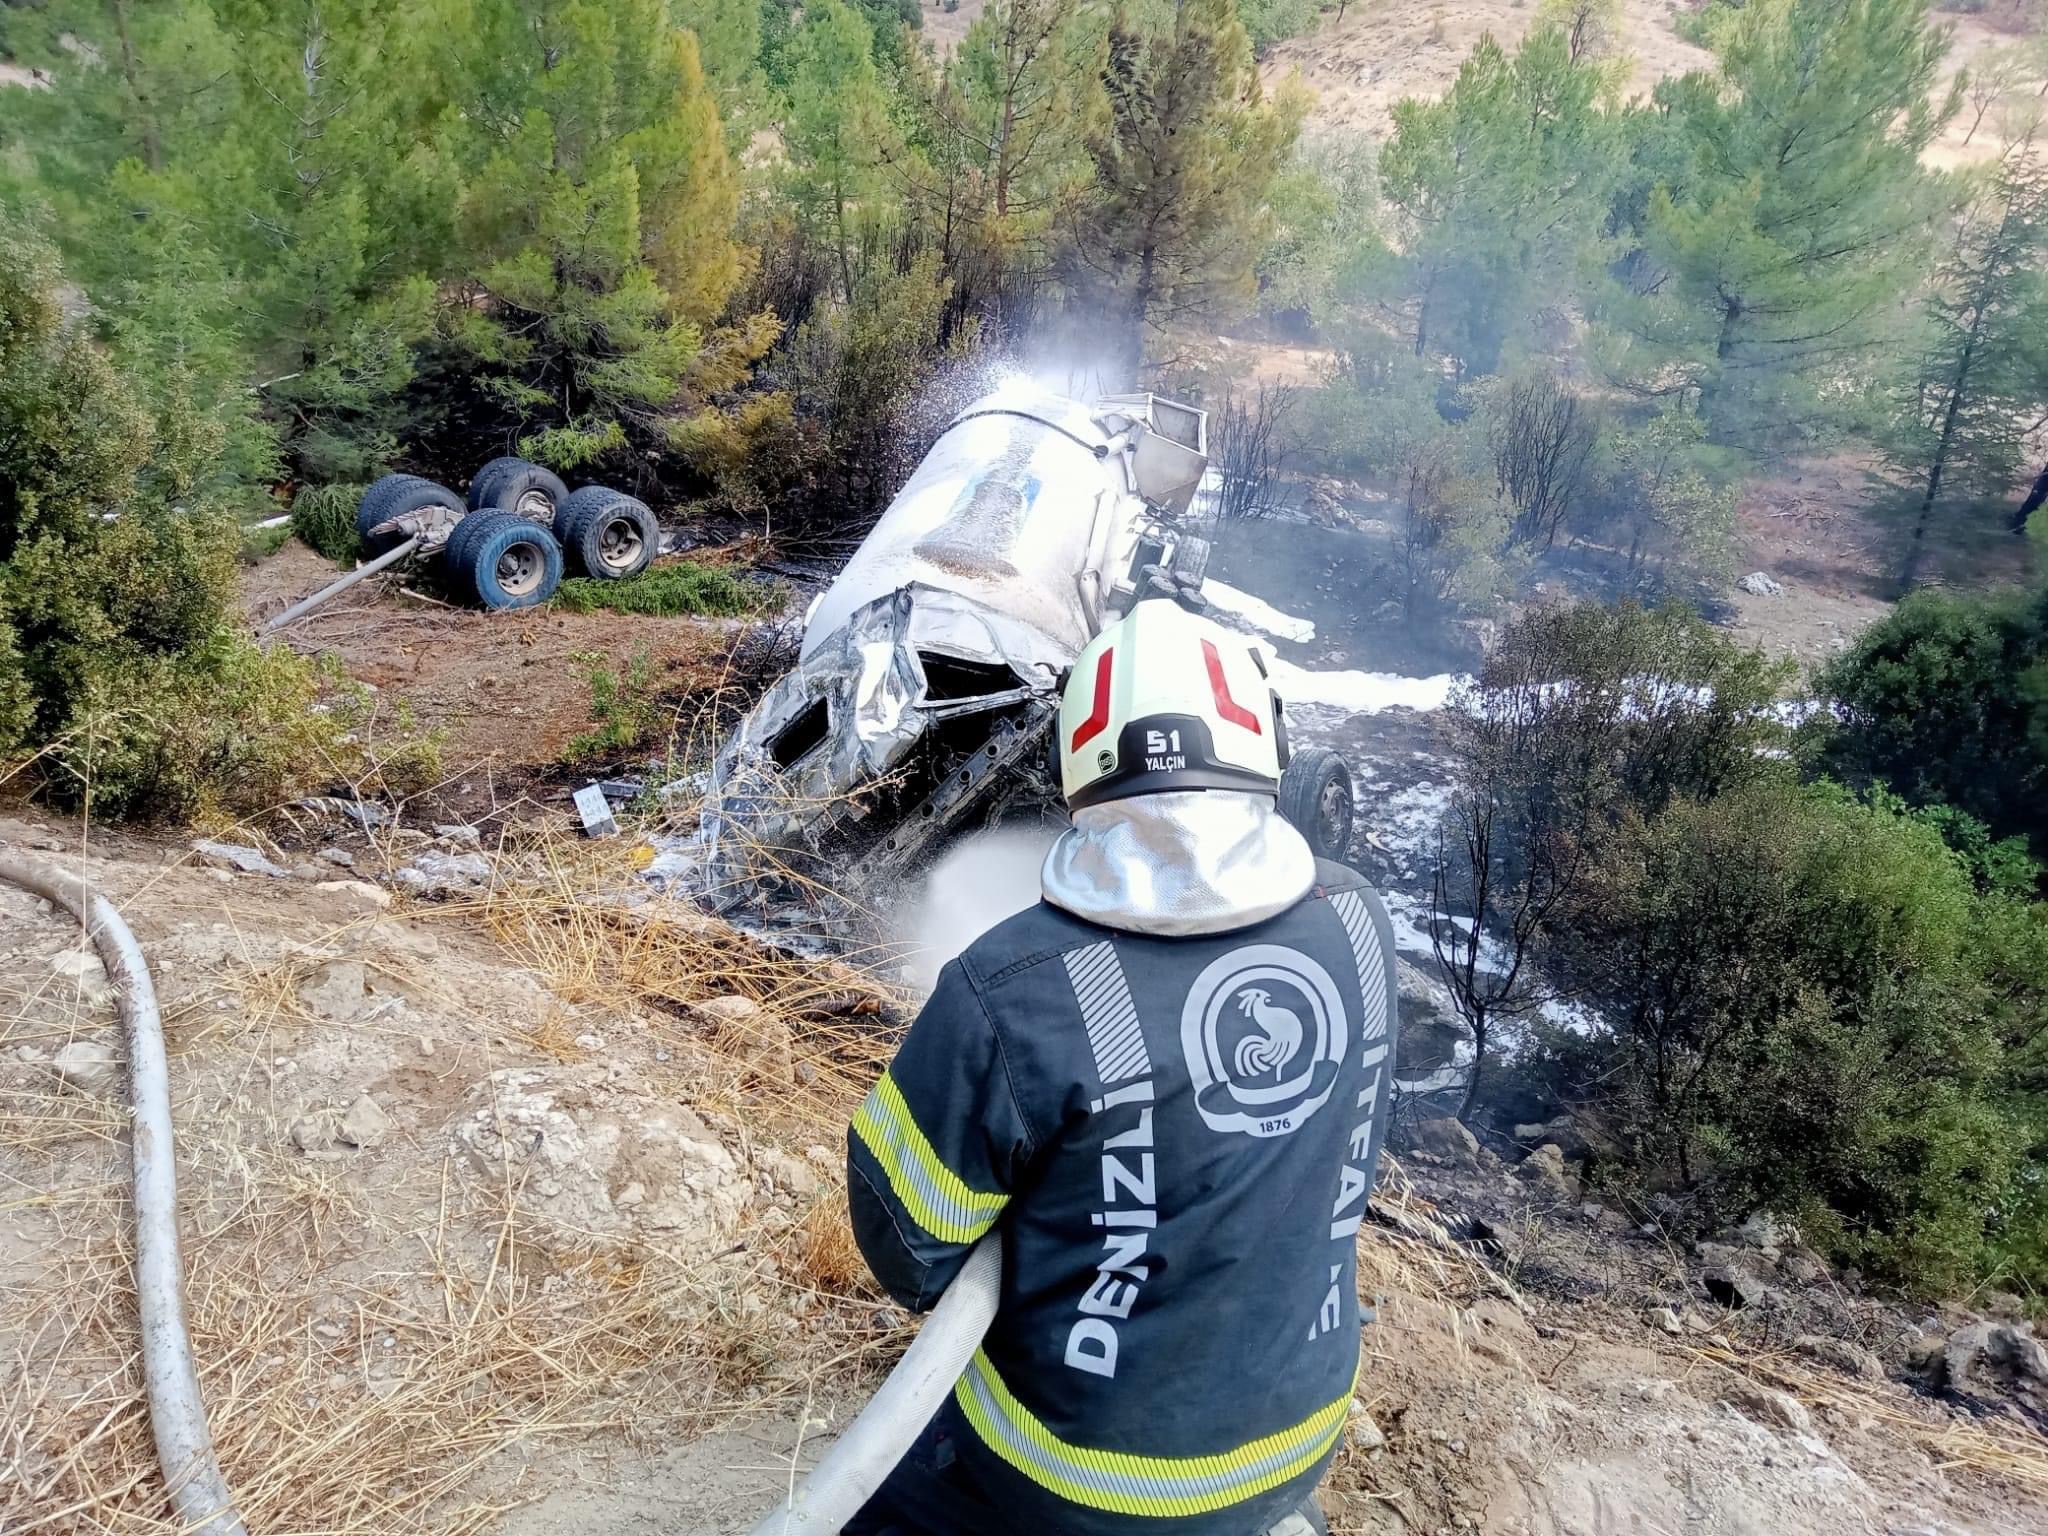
(1273, 21)
(124, 679)
(324, 519)
(17, 700)
(1808, 1005)
(260, 543)
(1946, 701)
(229, 728)
(679, 588)
(622, 706)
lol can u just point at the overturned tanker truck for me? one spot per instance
(928, 678)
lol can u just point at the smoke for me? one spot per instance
(975, 884)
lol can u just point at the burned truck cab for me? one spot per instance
(929, 672)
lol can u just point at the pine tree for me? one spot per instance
(348, 223)
(1778, 257)
(728, 36)
(1979, 382)
(1326, 253)
(996, 157)
(1019, 76)
(596, 228)
(836, 130)
(1183, 156)
(1498, 190)
(263, 192)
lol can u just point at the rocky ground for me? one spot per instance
(512, 1209)
(468, 1178)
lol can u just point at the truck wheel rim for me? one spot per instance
(1333, 812)
(519, 570)
(619, 544)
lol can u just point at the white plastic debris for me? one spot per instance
(596, 812)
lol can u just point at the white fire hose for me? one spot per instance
(177, 1417)
(847, 1476)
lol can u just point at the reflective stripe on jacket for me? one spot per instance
(1178, 1136)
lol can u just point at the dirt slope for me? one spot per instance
(507, 689)
(497, 1207)
(1381, 51)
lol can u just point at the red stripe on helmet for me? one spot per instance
(1098, 714)
(1219, 687)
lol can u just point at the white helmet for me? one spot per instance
(1167, 700)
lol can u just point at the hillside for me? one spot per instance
(460, 1259)
(1376, 52)
(723, 427)
(1359, 65)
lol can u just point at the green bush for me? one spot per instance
(230, 728)
(324, 519)
(1377, 414)
(1273, 21)
(682, 587)
(260, 543)
(1809, 1005)
(1946, 701)
(124, 680)
(622, 706)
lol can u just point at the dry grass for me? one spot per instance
(2001, 1449)
(792, 1071)
(370, 1402)
(371, 1352)
(797, 1067)
(1406, 1250)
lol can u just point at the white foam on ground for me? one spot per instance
(1410, 915)
(1409, 918)
(1358, 693)
(1575, 1017)
(1642, 698)
(1257, 612)
(1405, 821)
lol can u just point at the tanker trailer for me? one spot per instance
(928, 677)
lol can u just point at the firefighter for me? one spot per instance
(1167, 1084)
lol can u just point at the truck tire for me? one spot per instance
(1316, 796)
(606, 533)
(389, 497)
(510, 562)
(514, 485)
(456, 551)
(481, 482)
(1191, 560)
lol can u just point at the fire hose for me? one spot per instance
(844, 1479)
(177, 1416)
(848, 1474)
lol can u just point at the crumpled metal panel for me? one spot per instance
(1016, 535)
(873, 686)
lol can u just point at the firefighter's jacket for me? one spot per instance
(1176, 1137)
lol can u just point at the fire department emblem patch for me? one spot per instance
(1264, 1031)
